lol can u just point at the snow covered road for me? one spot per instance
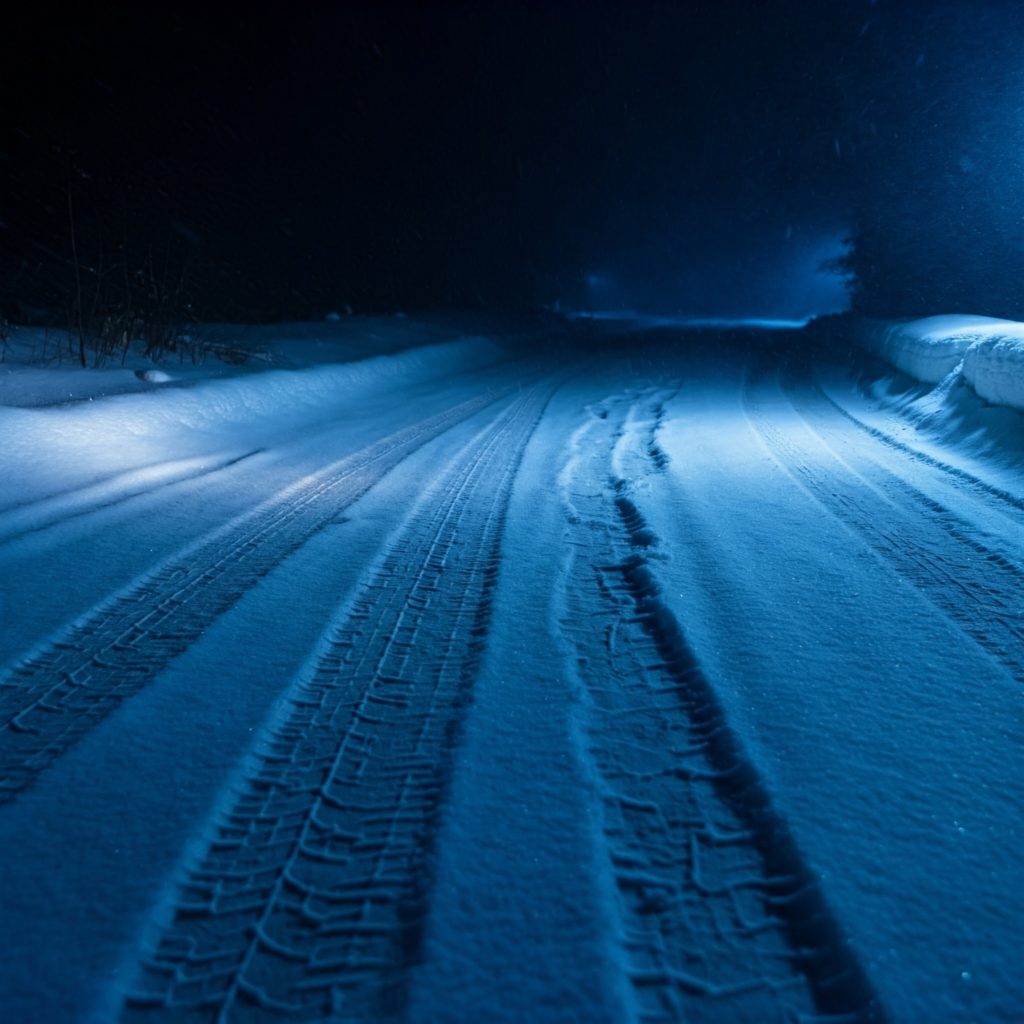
(663, 684)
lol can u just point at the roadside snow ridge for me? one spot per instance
(988, 352)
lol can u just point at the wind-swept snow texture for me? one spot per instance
(988, 352)
(681, 684)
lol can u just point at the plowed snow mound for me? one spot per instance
(988, 352)
(995, 369)
(81, 440)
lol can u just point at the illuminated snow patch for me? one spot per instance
(645, 320)
(51, 449)
(154, 376)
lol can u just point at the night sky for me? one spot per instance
(285, 160)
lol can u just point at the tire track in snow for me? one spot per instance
(978, 589)
(308, 900)
(74, 680)
(987, 491)
(658, 456)
(722, 920)
(821, 416)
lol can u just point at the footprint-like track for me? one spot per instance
(721, 918)
(65, 688)
(308, 900)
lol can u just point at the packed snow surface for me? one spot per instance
(619, 673)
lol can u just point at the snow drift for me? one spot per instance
(995, 368)
(932, 348)
(988, 352)
(295, 394)
(80, 440)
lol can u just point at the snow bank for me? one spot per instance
(290, 394)
(995, 368)
(931, 348)
(988, 352)
(303, 343)
(80, 440)
(39, 366)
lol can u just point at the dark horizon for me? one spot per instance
(264, 162)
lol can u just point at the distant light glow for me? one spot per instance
(642, 320)
(776, 278)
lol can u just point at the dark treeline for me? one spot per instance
(934, 131)
(266, 162)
